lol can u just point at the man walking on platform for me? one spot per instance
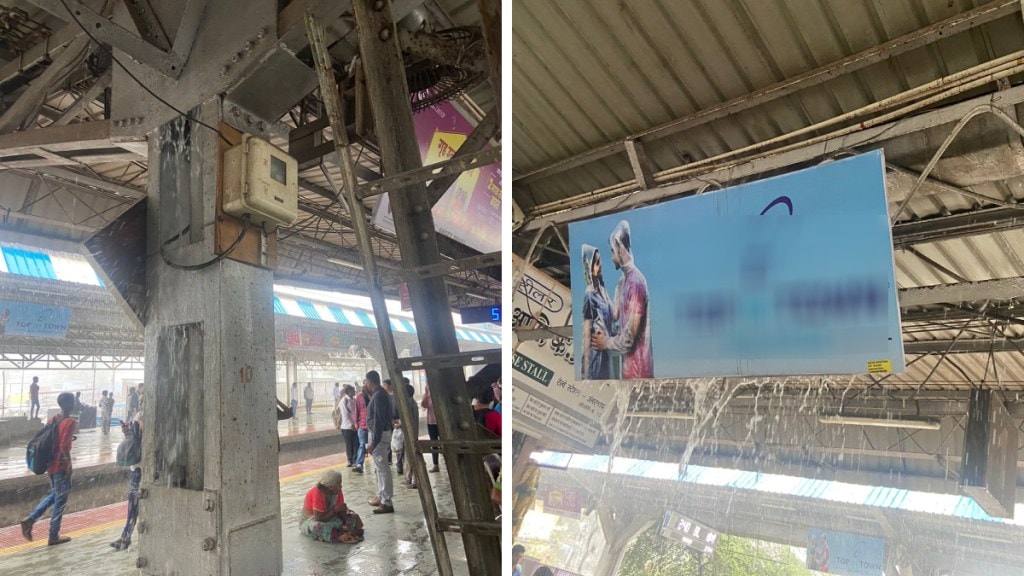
(33, 391)
(59, 473)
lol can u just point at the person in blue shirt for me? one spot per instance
(518, 551)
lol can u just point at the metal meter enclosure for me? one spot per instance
(262, 181)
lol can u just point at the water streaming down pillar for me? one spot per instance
(211, 503)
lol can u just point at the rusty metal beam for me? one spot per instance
(454, 166)
(437, 49)
(490, 18)
(417, 239)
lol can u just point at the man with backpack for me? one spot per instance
(59, 472)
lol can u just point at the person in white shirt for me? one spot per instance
(349, 426)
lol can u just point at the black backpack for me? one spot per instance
(43, 447)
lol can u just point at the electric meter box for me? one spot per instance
(262, 181)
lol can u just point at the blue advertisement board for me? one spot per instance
(33, 320)
(791, 275)
(846, 554)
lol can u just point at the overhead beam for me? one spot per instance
(106, 31)
(65, 176)
(82, 135)
(975, 222)
(437, 49)
(87, 97)
(1002, 289)
(905, 43)
(962, 346)
(187, 29)
(24, 110)
(148, 24)
(641, 167)
(747, 168)
(41, 53)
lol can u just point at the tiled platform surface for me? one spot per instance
(395, 543)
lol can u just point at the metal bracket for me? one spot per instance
(477, 526)
(453, 266)
(545, 332)
(461, 446)
(454, 166)
(450, 360)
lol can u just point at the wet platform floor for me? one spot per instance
(92, 447)
(395, 543)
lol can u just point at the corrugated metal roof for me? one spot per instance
(588, 73)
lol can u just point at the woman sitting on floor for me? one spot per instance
(326, 517)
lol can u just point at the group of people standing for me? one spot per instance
(307, 394)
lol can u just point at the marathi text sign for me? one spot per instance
(546, 399)
(690, 533)
(33, 320)
(470, 211)
(788, 275)
(846, 554)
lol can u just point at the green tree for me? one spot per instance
(652, 555)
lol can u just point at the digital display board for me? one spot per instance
(481, 314)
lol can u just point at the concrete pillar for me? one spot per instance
(211, 495)
(619, 528)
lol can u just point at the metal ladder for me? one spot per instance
(462, 443)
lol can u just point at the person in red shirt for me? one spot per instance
(59, 473)
(326, 517)
(483, 414)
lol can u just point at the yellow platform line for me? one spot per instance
(75, 534)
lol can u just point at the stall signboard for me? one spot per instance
(791, 275)
(845, 554)
(547, 400)
(561, 501)
(33, 320)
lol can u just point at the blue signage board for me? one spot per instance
(791, 275)
(33, 320)
(846, 554)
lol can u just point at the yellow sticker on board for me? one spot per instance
(876, 366)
